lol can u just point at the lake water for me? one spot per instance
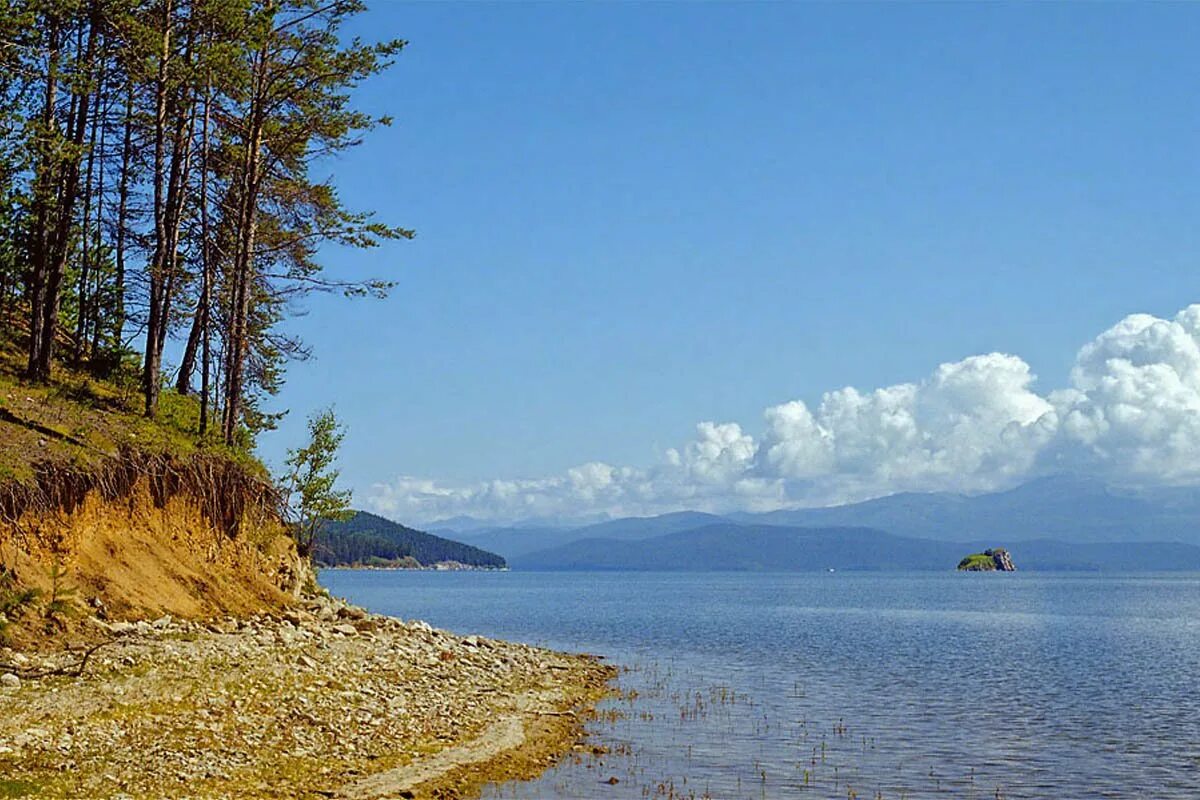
(853, 685)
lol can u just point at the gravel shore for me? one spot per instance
(322, 701)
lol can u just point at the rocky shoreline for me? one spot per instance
(325, 700)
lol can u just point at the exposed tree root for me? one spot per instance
(227, 493)
(70, 671)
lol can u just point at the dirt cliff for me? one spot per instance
(138, 536)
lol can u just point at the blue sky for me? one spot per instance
(633, 218)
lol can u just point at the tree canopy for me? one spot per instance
(160, 177)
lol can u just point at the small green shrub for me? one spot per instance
(62, 596)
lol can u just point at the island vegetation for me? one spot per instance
(993, 560)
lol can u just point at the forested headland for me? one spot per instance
(364, 539)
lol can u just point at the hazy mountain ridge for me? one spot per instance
(1066, 508)
(754, 548)
(1062, 522)
(775, 548)
(518, 541)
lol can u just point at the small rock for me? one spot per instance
(10, 681)
(98, 605)
(345, 629)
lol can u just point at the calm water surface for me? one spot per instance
(853, 685)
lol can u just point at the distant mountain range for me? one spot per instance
(774, 548)
(369, 540)
(1063, 508)
(517, 541)
(1052, 523)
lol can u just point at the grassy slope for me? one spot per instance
(79, 420)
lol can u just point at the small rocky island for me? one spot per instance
(995, 560)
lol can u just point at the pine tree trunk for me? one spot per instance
(187, 364)
(243, 279)
(152, 363)
(68, 193)
(86, 252)
(183, 108)
(40, 245)
(206, 274)
(118, 320)
(91, 315)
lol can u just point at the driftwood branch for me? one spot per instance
(70, 671)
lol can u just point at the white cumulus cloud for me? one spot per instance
(1131, 414)
(971, 425)
(1133, 411)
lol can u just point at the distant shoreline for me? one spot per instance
(429, 568)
